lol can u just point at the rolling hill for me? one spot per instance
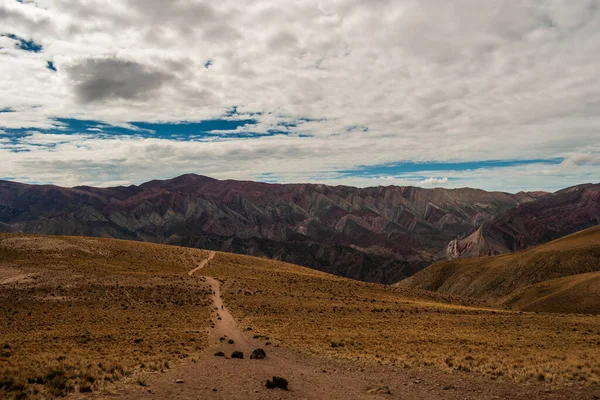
(86, 314)
(89, 314)
(560, 276)
(378, 234)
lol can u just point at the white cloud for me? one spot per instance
(434, 182)
(582, 159)
(432, 81)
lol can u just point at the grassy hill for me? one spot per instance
(78, 313)
(330, 316)
(560, 276)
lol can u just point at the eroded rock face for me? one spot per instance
(532, 223)
(379, 234)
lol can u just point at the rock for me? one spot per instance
(219, 354)
(258, 354)
(277, 382)
(179, 381)
(237, 354)
(230, 341)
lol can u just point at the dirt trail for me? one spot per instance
(211, 255)
(310, 377)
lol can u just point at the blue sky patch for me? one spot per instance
(403, 168)
(214, 129)
(269, 177)
(24, 44)
(51, 66)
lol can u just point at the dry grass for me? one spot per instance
(525, 280)
(77, 314)
(580, 292)
(331, 316)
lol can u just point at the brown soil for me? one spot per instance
(13, 275)
(310, 377)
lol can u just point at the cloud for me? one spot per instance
(358, 83)
(582, 159)
(434, 182)
(101, 79)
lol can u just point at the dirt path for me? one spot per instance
(311, 377)
(211, 255)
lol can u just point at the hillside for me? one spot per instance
(85, 314)
(379, 234)
(532, 223)
(79, 313)
(560, 276)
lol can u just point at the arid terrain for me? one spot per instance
(79, 313)
(106, 318)
(560, 276)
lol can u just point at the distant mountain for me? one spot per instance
(531, 223)
(560, 276)
(380, 234)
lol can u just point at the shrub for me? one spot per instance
(277, 382)
(85, 387)
(258, 354)
(6, 383)
(142, 382)
(57, 383)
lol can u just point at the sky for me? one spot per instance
(495, 94)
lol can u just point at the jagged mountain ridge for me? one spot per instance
(532, 223)
(380, 234)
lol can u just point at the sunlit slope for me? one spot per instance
(527, 280)
(77, 314)
(335, 317)
(577, 293)
(101, 309)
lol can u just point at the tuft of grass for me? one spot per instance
(141, 382)
(85, 387)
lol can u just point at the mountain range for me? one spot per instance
(378, 234)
